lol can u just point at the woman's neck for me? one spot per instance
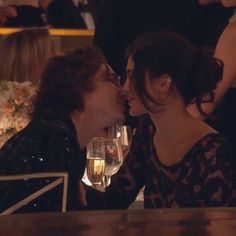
(172, 122)
(177, 132)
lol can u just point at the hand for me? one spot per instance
(82, 194)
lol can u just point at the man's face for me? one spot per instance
(106, 101)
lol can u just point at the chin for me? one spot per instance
(136, 108)
(117, 118)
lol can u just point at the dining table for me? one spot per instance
(140, 222)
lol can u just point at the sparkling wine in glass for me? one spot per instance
(96, 161)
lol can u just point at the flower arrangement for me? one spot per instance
(15, 107)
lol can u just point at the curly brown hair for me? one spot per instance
(65, 80)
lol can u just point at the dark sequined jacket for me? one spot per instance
(42, 146)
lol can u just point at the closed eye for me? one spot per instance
(113, 78)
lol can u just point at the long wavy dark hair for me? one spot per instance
(194, 72)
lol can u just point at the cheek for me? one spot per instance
(88, 101)
(132, 91)
(108, 96)
(128, 86)
(94, 98)
(131, 88)
(110, 93)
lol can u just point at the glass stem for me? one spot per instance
(107, 181)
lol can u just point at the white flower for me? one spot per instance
(15, 106)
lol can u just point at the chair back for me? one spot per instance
(60, 178)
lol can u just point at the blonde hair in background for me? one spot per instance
(19, 2)
(24, 53)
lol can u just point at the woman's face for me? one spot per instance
(136, 106)
(106, 102)
(158, 88)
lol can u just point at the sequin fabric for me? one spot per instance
(204, 177)
(42, 146)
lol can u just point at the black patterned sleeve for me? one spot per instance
(217, 175)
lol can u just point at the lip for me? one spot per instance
(121, 99)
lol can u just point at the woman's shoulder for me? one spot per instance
(212, 139)
(231, 27)
(212, 147)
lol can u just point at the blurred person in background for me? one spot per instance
(24, 54)
(221, 109)
(79, 14)
(121, 22)
(23, 13)
(23, 57)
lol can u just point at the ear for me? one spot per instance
(158, 87)
(164, 83)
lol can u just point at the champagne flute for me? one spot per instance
(113, 159)
(96, 161)
(123, 134)
(117, 147)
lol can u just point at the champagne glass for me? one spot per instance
(123, 134)
(96, 161)
(117, 147)
(113, 159)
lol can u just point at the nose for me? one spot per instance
(126, 86)
(123, 94)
